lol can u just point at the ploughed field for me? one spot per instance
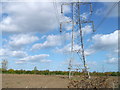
(51, 81)
(33, 81)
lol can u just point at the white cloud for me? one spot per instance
(112, 61)
(4, 52)
(33, 17)
(19, 54)
(23, 57)
(58, 40)
(19, 62)
(34, 58)
(87, 29)
(30, 17)
(45, 61)
(104, 42)
(89, 52)
(7, 26)
(19, 40)
(67, 48)
(52, 41)
(13, 54)
(101, 42)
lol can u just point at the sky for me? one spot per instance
(30, 36)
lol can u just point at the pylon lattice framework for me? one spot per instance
(77, 23)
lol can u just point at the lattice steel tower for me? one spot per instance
(77, 22)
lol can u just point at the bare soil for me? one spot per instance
(41, 81)
(33, 81)
(94, 82)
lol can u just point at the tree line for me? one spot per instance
(47, 72)
(5, 70)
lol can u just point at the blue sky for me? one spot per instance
(31, 37)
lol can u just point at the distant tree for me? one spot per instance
(108, 73)
(11, 71)
(114, 74)
(35, 70)
(4, 65)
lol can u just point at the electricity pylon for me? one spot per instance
(77, 22)
(70, 67)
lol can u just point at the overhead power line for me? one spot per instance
(106, 15)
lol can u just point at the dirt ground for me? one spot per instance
(33, 81)
(94, 82)
(37, 81)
